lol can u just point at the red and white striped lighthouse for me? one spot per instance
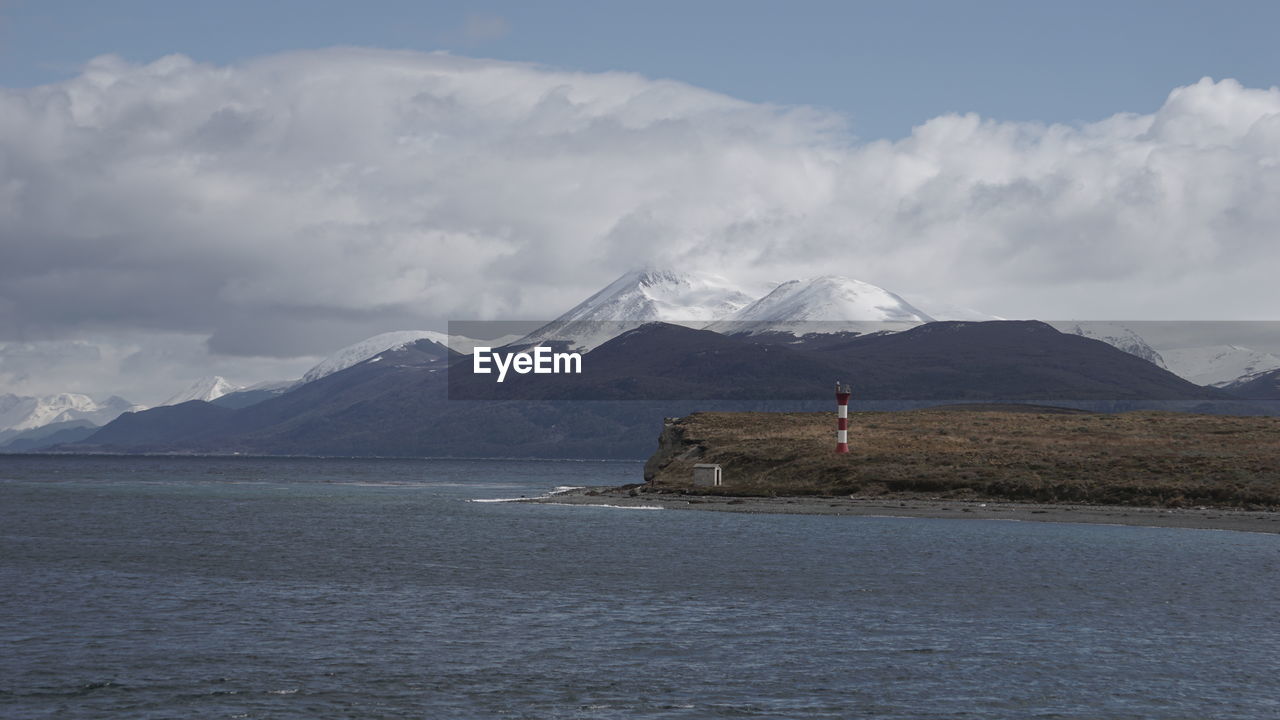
(842, 417)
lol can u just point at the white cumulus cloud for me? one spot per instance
(295, 203)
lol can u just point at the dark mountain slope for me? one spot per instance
(197, 426)
(159, 429)
(48, 436)
(1263, 386)
(312, 418)
(1004, 360)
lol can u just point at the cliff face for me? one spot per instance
(1001, 453)
(672, 446)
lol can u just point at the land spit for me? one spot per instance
(999, 462)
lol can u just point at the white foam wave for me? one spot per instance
(558, 490)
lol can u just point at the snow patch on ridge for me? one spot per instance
(365, 349)
(205, 389)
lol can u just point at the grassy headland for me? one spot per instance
(998, 453)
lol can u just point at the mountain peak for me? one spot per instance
(368, 348)
(652, 275)
(826, 303)
(662, 295)
(650, 294)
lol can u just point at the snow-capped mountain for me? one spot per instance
(1219, 365)
(366, 349)
(19, 412)
(207, 389)
(825, 304)
(1117, 336)
(649, 295)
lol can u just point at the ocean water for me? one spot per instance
(250, 588)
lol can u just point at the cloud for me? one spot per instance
(288, 205)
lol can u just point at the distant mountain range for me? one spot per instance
(830, 304)
(422, 400)
(35, 439)
(660, 341)
(31, 422)
(21, 412)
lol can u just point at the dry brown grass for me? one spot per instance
(1145, 458)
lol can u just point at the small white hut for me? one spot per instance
(707, 475)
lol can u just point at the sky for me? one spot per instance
(240, 188)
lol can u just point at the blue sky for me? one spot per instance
(887, 66)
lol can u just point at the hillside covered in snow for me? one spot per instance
(825, 304)
(20, 412)
(681, 298)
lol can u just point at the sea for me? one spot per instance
(185, 587)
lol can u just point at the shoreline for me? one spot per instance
(1199, 518)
